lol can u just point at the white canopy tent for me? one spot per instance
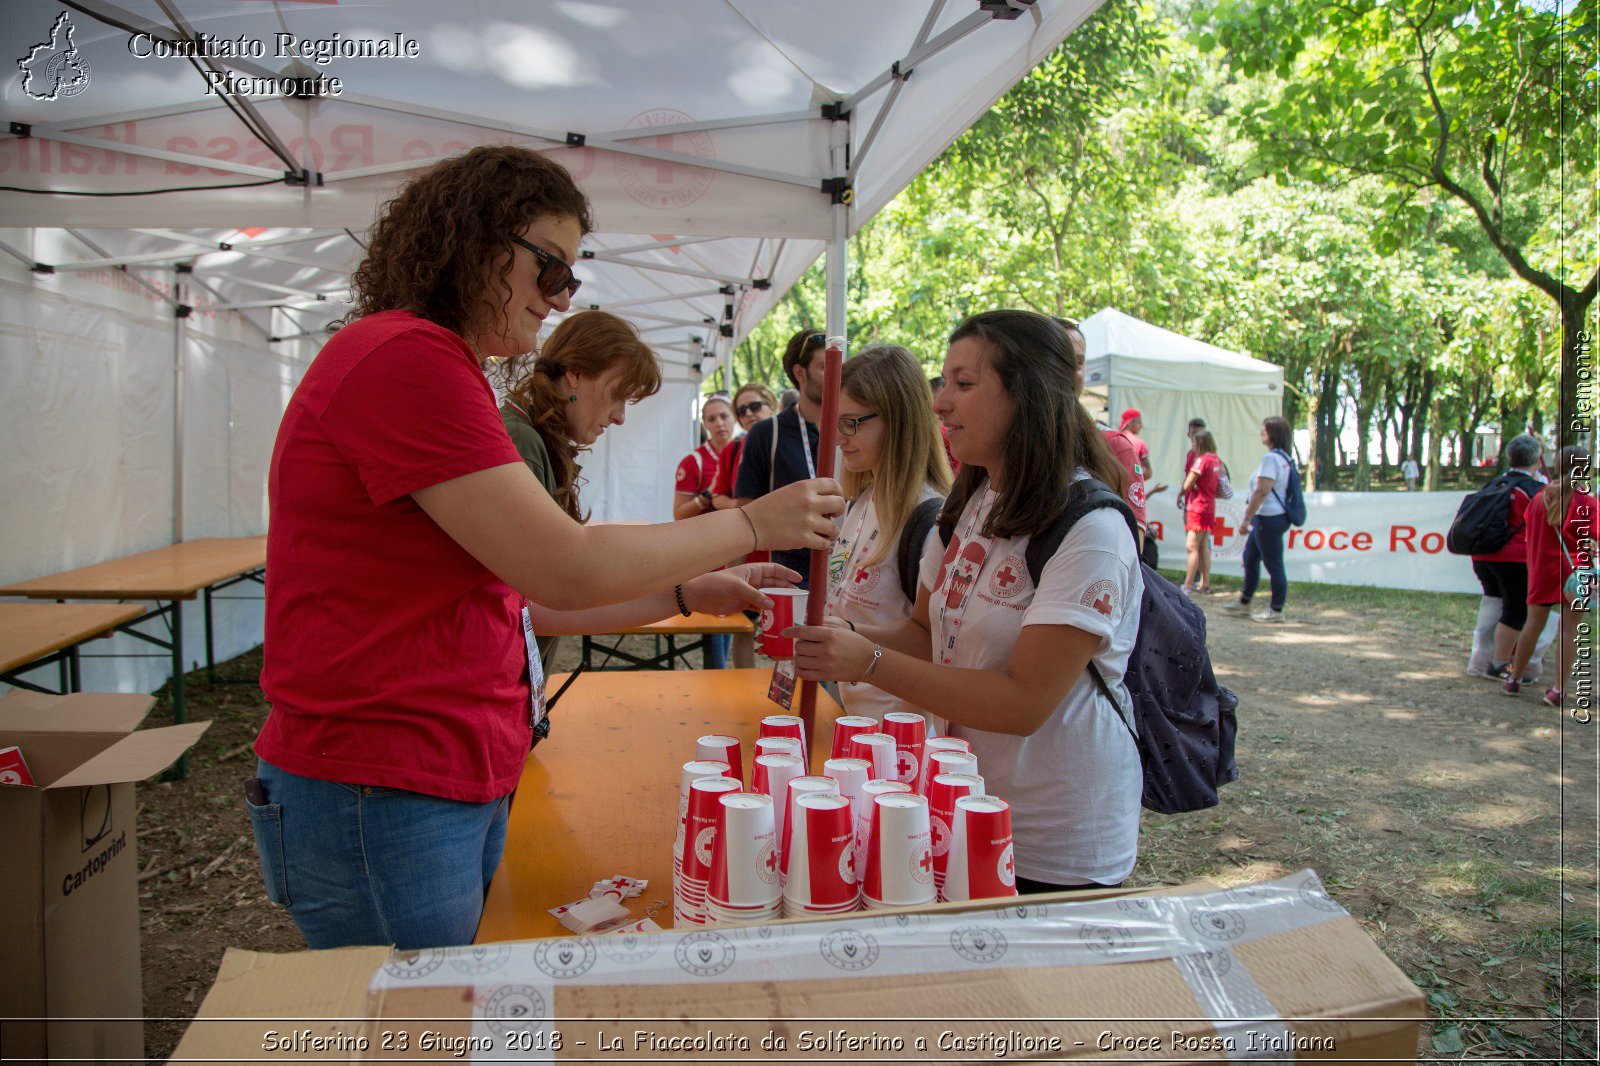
(1169, 379)
(725, 145)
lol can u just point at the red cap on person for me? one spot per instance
(1130, 414)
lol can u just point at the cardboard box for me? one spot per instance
(69, 926)
(1283, 972)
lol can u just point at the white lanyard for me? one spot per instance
(700, 454)
(960, 579)
(845, 554)
(805, 442)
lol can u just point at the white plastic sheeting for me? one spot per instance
(1170, 379)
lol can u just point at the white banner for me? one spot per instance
(1389, 539)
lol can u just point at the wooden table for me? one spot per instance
(165, 577)
(701, 627)
(600, 797)
(36, 635)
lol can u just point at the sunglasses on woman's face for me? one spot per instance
(750, 408)
(554, 275)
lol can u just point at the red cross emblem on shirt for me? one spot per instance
(1103, 604)
(860, 575)
(1220, 530)
(1006, 576)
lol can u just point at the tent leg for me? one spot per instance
(179, 330)
(838, 245)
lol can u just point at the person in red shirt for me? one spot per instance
(751, 404)
(1134, 456)
(1561, 540)
(696, 478)
(1200, 510)
(415, 558)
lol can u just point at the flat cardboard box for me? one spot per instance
(1320, 985)
(69, 925)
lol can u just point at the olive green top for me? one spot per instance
(531, 447)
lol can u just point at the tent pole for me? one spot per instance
(180, 322)
(838, 244)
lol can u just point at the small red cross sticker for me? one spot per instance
(1220, 530)
(860, 575)
(1103, 604)
(1006, 576)
(620, 882)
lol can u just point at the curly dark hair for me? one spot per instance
(446, 236)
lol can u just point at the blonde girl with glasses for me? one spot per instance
(896, 475)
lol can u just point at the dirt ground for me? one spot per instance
(1457, 825)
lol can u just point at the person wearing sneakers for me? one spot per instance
(1561, 541)
(1265, 523)
(1503, 574)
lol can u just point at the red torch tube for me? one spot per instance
(816, 602)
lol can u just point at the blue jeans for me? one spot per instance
(365, 865)
(717, 645)
(1265, 545)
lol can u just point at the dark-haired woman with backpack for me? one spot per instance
(1009, 665)
(1266, 522)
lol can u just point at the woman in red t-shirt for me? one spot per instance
(1199, 495)
(697, 472)
(1561, 522)
(415, 558)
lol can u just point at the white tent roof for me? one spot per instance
(1169, 379)
(697, 127)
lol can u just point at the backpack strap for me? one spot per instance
(912, 536)
(1084, 496)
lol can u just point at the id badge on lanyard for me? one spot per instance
(535, 671)
(958, 586)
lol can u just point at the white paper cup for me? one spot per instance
(899, 855)
(693, 769)
(822, 872)
(951, 762)
(717, 748)
(798, 787)
(744, 863)
(878, 749)
(943, 791)
(982, 864)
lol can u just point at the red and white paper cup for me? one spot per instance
(951, 762)
(822, 869)
(799, 786)
(787, 725)
(788, 609)
(718, 748)
(847, 726)
(982, 861)
(899, 854)
(744, 859)
(771, 777)
(877, 749)
(870, 791)
(693, 771)
(852, 775)
(949, 743)
(943, 791)
(910, 733)
(700, 833)
(779, 746)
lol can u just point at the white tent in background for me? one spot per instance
(1170, 379)
(149, 338)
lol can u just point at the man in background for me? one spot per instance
(783, 449)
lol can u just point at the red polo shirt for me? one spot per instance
(392, 656)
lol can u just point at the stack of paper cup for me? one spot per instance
(692, 771)
(937, 744)
(771, 777)
(799, 786)
(899, 856)
(822, 869)
(877, 749)
(870, 791)
(982, 864)
(942, 796)
(744, 862)
(944, 761)
(700, 835)
(787, 725)
(852, 775)
(780, 746)
(847, 726)
(722, 749)
(910, 733)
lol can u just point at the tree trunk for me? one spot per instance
(1422, 413)
(1325, 401)
(1363, 464)
(1435, 439)
(1383, 447)
(1577, 404)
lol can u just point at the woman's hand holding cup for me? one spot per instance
(797, 516)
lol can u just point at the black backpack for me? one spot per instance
(1182, 721)
(1293, 497)
(1482, 524)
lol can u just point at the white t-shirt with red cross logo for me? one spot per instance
(1074, 786)
(871, 595)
